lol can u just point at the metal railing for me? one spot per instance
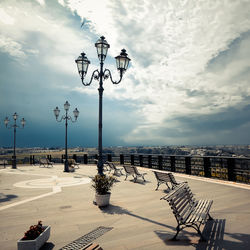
(225, 168)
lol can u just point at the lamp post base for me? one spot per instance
(66, 166)
(14, 162)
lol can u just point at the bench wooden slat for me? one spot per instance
(167, 178)
(188, 211)
(201, 211)
(45, 162)
(132, 170)
(112, 167)
(196, 214)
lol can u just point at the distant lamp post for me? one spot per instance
(66, 117)
(122, 62)
(15, 126)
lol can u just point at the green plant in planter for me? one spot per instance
(103, 183)
(34, 231)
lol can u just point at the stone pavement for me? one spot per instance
(136, 218)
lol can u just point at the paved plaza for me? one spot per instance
(135, 219)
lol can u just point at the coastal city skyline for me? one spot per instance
(187, 84)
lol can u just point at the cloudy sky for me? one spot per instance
(188, 81)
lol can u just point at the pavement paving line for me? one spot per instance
(221, 182)
(56, 189)
(200, 178)
(8, 172)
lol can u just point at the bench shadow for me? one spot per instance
(167, 191)
(47, 246)
(213, 231)
(113, 209)
(141, 182)
(7, 197)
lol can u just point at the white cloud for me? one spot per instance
(171, 43)
(61, 2)
(35, 29)
(12, 47)
(185, 59)
(5, 18)
(41, 2)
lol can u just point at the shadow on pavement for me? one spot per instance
(47, 246)
(112, 209)
(8, 197)
(213, 231)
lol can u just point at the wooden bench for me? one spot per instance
(112, 167)
(132, 170)
(188, 211)
(129, 170)
(73, 163)
(167, 178)
(137, 174)
(46, 163)
(4, 163)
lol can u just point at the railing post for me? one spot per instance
(188, 164)
(109, 157)
(74, 157)
(132, 160)
(231, 168)
(96, 157)
(150, 161)
(85, 159)
(207, 167)
(172, 162)
(63, 158)
(160, 162)
(141, 160)
(121, 159)
(31, 161)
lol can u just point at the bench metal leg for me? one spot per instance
(158, 184)
(197, 228)
(178, 230)
(202, 237)
(209, 217)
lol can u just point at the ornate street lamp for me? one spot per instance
(66, 117)
(122, 62)
(15, 126)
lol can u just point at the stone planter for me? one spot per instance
(34, 244)
(102, 199)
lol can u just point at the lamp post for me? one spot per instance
(82, 62)
(66, 117)
(15, 126)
